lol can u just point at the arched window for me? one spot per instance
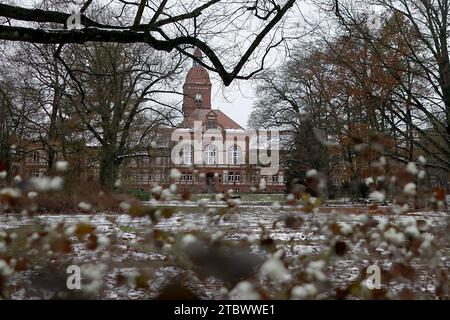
(210, 154)
(185, 155)
(198, 97)
(36, 157)
(234, 155)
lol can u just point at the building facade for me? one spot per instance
(209, 150)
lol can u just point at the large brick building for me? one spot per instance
(211, 151)
(221, 161)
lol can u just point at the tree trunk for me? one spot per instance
(108, 169)
(52, 133)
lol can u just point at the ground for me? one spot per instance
(249, 221)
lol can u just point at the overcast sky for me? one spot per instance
(236, 101)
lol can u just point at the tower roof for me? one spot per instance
(197, 75)
(198, 53)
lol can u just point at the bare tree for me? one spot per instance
(421, 28)
(116, 92)
(216, 27)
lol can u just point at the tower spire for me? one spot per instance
(199, 55)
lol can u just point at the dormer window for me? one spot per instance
(212, 124)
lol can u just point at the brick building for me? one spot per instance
(218, 162)
(221, 161)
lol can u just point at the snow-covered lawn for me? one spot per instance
(122, 250)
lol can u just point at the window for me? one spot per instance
(252, 179)
(212, 124)
(183, 176)
(210, 154)
(189, 177)
(35, 157)
(198, 97)
(186, 155)
(35, 174)
(234, 177)
(234, 155)
(275, 179)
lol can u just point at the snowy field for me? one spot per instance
(128, 252)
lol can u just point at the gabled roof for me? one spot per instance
(200, 115)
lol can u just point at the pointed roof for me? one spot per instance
(197, 74)
(198, 53)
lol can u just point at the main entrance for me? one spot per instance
(210, 182)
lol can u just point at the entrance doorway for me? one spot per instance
(210, 182)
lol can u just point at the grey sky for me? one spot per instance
(236, 100)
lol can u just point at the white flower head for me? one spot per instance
(45, 184)
(189, 239)
(421, 174)
(262, 183)
(422, 160)
(345, 228)
(244, 290)
(377, 195)
(84, 206)
(175, 174)
(11, 192)
(5, 269)
(410, 189)
(274, 269)
(412, 168)
(125, 206)
(56, 183)
(202, 202)
(315, 270)
(304, 292)
(290, 197)
(32, 195)
(394, 237)
(62, 166)
(412, 231)
(276, 205)
(311, 173)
